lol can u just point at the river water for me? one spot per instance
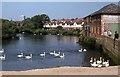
(37, 44)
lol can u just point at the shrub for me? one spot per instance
(88, 41)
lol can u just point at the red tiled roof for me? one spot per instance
(67, 21)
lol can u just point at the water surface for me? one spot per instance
(45, 43)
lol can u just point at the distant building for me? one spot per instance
(68, 24)
(103, 20)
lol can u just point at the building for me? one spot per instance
(99, 22)
(67, 24)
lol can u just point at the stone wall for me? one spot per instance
(112, 47)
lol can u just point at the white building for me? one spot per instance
(67, 24)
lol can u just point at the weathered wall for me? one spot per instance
(114, 27)
(106, 19)
(112, 47)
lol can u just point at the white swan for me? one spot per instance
(20, 55)
(57, 54)
(104, 62)
(107, 64)
(94, 64)
(2, 57)
(99, 61)
(2, 51)
(99, 65)
(28, 57)
(43, 54)
(52, 53)
(84, 50)
(91, 60)
(62, 56)
(80, 50)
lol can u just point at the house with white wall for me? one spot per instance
(68, 24)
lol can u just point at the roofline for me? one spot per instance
(102, 14)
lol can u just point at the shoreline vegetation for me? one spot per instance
(33, 26)
(66, 70)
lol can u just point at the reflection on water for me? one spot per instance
(44, 43)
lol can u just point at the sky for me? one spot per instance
(55, 10)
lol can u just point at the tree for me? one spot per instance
(8, 28)
(45, 18)
(28, 23)
(59, 27)
(34, 23)
(40, 20)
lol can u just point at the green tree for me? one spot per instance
(8, 28)
(34, 23)
(59, 27)
(40, 20)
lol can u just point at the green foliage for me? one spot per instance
(59, 27)
(35, 24)
(71, 32)
(90, 42)
(9, 28)
(55, 32)
(40, 20)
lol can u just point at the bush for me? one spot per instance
(88, 41)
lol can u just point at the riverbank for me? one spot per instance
(104, 45)
(112, 70)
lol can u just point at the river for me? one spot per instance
(37, 44)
